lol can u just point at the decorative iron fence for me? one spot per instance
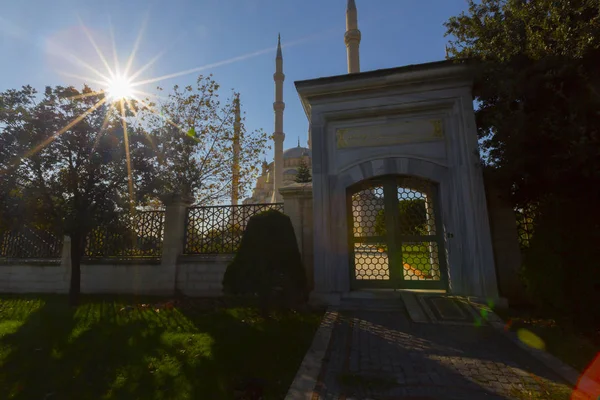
(525, 223)
(133, 236)
(29, 243)
(219, 229)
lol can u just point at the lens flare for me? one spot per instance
(531, 339)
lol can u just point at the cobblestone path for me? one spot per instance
(384, 355)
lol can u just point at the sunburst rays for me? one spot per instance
(120, 87)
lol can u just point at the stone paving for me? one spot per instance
(384, 355)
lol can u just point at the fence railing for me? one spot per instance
(137, 236)
(525, 223)
(219, 229)
(208, 230)
(30, 243)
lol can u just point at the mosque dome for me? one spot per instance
(296, 152)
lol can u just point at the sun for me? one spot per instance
(119, 88)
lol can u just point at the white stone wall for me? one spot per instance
(505, 239)
(125, 278)
(297, 199)
(33, 279)
(191, 275)
(197, 276)
(202, 276)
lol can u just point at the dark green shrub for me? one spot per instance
(268, 263)
(560, 266)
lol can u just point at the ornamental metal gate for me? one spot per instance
(395, 234)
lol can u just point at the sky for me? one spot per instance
(235, 40)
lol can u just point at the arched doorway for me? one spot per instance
(395, 234)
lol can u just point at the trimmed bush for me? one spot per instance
(268, 263)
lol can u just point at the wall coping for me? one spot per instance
(121, 261)
(434, 74)
(208, 258)
(115, 261)
(297, 190)
(177, 198)
(31, 262)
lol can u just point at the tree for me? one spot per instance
(412, 218)
(68, 163)
(192, 135)
(303, 173)
(537, 85)
(538, 89)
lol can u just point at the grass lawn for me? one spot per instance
(559, 338)
(112, 348)
(418, 257)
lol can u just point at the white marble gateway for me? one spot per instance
(414, 121)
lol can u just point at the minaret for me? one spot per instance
(235, 169)
(278, 135)
(265, 167)
(352, 38)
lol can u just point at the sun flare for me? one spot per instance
(119, 88)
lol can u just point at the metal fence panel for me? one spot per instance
(30, 243)
(525, 223)
(219, 229)
(137, 236)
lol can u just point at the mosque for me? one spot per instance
(292, 158)
(282, 170)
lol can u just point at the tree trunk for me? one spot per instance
(75, 286)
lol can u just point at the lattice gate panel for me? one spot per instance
(370, 253)
(395, 235)
(417, 229)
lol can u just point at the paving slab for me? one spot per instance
(384, 355)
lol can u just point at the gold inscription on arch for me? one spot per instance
(403, 132)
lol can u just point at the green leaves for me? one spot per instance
(304, 175)
(77, 174)
(536, 88)
(533, 89)
(193, 138)
(191, 133)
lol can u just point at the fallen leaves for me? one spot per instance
(416, 272)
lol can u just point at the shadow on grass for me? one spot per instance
(108, 350)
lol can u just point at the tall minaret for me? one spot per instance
(278, 135)
(352, 38)
(235, 165)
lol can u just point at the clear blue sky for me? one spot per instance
(35, 35)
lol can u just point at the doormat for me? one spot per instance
(449, 310)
